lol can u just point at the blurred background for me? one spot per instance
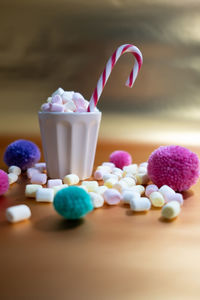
(66, 43)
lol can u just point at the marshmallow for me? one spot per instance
(41, 167)
(59, 91)
(142, 169)
(108, 164)
(137, 188)
(144, 164)
(112, 196)
(12, 178)
(44, 195)
(39, 178)
(118, 172)
(69, 106)
(166, 191)
(133, 168)
(98, 174)
(175, 197)
(142, 204)
(127, 196)
(56, 99)
(171, 210)
(157, 199)
(45, 107)
(130, 181)
(100, 189)
(110, 182)
(150, 189)
(53, 182)
(56, 107)
(120, 185)
(49, 99)
(31, 171)
(90, 185)
(18, 213)
(109, 176)
(15, 170)
(71, 179)
(67, 96)
(31, 189)
(97, 199)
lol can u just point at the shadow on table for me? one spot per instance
(53, 224)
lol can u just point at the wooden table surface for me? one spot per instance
(111, 254)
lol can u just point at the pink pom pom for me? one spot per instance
(175, 166)
(4, 182)
(120, 158)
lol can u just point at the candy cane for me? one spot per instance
(108, 69)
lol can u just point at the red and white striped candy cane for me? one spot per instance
(108, 69)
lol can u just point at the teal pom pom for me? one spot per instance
(72, 202)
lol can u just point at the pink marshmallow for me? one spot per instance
(98, 174)
(56, 99)
(54, 182)
(31, 171)
(150, 189)
(55, 107)
(81, 110)
(41, 167)
(39, 178)
(175, 197)
(77, 96)
(112, 196)
(45, 107)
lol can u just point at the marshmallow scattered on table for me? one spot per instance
(31, 171)
(97, 199)
(18, 213)
(128, 195)
(171, 210)
(157, 199)
(15, 170)
(166, 191)
(12, 178)
(45, 195)
(53, 182)
(71, 179)
(39, 178)
(110, 182)
(141, 204)
(57, 188)
(112, 196)
(150, 189)
(31, 189)
(90, 185)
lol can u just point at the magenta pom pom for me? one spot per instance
(120, 158)
(4, 182)
(175, 166)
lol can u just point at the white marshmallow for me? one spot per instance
(142, 204)
(118, 172)
(97, 199)
(31, 189)
(67, 96)
(101, 189)
(108, 176)
(53, 182)
(15, 170)
(71, 179)
(127, 196)
(69, 106)
(45, 195)
(171, 210)
(133, 169)
(157, 199)
(137, 188)
(166, 191)
(110, 182)
(18, 213)
(12, 178)
(90, 185)
(57, 188)
(108, 164)
(59, 91)
(130, 181)
(31, 171)
(144, 164)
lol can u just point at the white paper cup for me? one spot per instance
(69, 142)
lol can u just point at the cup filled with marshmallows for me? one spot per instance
(69, 134)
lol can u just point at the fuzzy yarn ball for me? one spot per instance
(175, 166)
(120, 158)
(72, 202)
(22, 153)
(4, 182)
